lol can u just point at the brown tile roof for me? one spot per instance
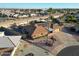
(39, 31)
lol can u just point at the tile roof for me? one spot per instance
(40, 30)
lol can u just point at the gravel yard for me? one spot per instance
(26, 48)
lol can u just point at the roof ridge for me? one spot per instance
(11, 41)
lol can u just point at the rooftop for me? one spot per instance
(9, 41)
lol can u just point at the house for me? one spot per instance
(71, 26)
(9, 44)
(57, 15)
(33, 14)
(22, 16)
(35, 31)
(43, 20)
(39, 31)
(15, 15)
(56, 28)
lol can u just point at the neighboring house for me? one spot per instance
(39, 31)
(33, 14)
(9, 44)
(69, 25)
(57, 15)
(15, 15)
(56, 28)
(42, 20)
(72, 26)
(21, 16)
(7, 12)
(26, 15)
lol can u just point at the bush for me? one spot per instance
(9, 31)
(71, 18)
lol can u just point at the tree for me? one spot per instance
(4, 15)
(53, 19)
(50, 11)
(71, 18)
(39, 10)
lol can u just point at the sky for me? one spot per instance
(39, 5)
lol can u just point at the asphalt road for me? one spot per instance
(69, 51)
